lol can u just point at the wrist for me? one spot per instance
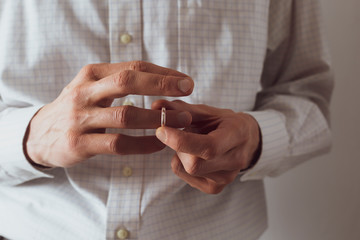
(257, 139)
(26, 150)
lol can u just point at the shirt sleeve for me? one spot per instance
(292, 108)
(14, 167)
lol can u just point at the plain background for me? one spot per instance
(320, 199)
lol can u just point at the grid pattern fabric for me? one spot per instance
(262, 57)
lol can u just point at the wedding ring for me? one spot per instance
(163, 116)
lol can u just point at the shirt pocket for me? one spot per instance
(221, 45)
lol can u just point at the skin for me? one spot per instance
(215, 145)
(214, 149)
(71, 129)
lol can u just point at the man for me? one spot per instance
(79, 158)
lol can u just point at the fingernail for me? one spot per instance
(184, 119)
(184, 85)
(161, 134)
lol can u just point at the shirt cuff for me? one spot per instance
(14, 167)
(275, 142)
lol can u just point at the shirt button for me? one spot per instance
(127, 171)
(127, 102)
(122, 233)
(125, 38)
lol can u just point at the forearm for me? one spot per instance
(293, 107)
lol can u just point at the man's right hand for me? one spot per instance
(71, 129)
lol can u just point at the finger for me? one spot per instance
(103, 70)
(203, 184)
(119, 144)
(221, 177)
(196, 166)
(205, 146)
(199, 112)
(153, 68)
(135, 118)
(140, 83)
(176, 104)
(202, 146)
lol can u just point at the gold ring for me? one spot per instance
(163, 116)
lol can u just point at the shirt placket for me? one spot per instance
(125, 37)
(123, 206)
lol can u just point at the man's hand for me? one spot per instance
(72, 127)
(214, 149)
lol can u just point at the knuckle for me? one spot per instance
(114, 145)
(77, 94)
(162, 84)
(87, 70)
(223, 180)
(76, 118)
(213, 188)
(137, 66)
(209, 151)
(176, 166)
(194, 167)
(122, 115)
(122, 79)
(73, 142)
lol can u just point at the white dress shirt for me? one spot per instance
(259, 56)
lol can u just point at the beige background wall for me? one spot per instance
(320, 200)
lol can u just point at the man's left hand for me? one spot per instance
(214, 149)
